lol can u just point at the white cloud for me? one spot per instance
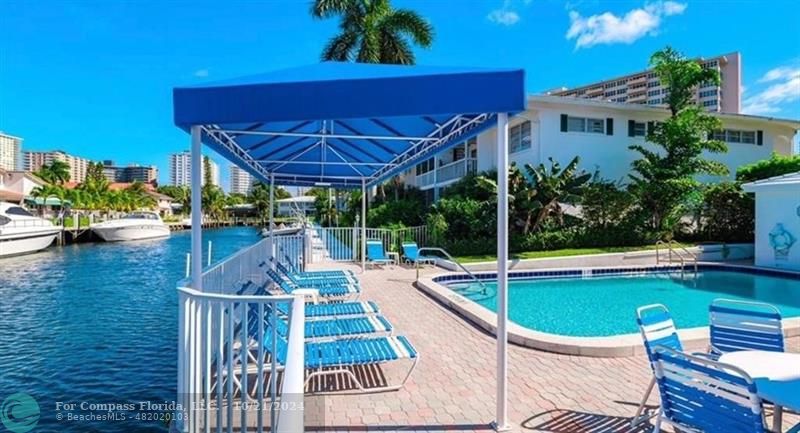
(503, 17)
(783, 87)
(507, 14)
(201, 73)
(607, 28)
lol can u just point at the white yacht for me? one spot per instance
(22, 233)
(133, 226)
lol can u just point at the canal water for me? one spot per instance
(89, 327)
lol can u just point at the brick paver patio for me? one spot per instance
(453, 387)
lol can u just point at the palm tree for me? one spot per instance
(372, 31)
(555, 186)
(57, 172)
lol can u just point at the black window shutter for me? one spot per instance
(760, 137)
(650, 127)
(609, 126)
(563, 123)
(631, 127)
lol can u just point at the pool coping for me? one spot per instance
(603, 347)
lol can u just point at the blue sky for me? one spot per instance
(94, 78)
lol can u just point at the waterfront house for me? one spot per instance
(599, 132)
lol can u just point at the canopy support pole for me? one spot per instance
(272, 216)
(197, 209)
(436, 178)
(501, 420)
(363, 224)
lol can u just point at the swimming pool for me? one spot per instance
(575, 304)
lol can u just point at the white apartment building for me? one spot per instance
(33, 161)
(10, 152)
(240, 181)
(599, 133)
(645, 88)
(180, 170)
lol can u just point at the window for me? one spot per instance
(707, 93)
(710, 103)
(637, 129)
(585, 124)
(519, 137)
(653, 83)
(734, 136)
(655, 92)
(16, 210)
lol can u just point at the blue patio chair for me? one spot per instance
(320, 329)
(375, 253)
(324, 291)
(744, 325)
(411, 254)
(701, 395)
(321, 274)
(337, 309)
(657, 329)
(311, 281)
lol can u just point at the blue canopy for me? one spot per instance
(338, 123)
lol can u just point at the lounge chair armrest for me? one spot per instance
(312, 294)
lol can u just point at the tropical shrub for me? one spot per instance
(728, 213)
(406, 212)
(605, 203)
(776, 165)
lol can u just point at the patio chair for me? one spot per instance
(744, 325)
(411, 254)
(326, 328)
(337, 309)
(701, 395)
(375, 253)
(314, 281)
(657, 329)
(325, 291)
(346, 273)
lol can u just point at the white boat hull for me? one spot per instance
(131, 233)
(26, 244)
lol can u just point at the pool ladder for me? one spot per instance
(449, 257)
(677, 251)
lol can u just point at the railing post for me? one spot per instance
(291, 413)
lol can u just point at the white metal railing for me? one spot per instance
(236, 343)
(342, 244)
(447, 172)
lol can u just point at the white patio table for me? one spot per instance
(777, 378)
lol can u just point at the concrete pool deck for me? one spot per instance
(453, 388)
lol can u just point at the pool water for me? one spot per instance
(97, 323)
(605, 306)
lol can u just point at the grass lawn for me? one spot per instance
(558, 253)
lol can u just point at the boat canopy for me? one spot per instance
(341, 124)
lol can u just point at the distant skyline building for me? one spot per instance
(10, 152)
(240, 181)
(180, 170)
(130, 173)
(34, 160)
(645, 88)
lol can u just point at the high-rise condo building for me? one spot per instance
(10, 152)
(130, 173)
(180, 170)
(33, 161)
(645, 88)
(241, 181)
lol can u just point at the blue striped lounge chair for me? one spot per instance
(327, 327)
(338, 292)
(326, 273)
(376, 254)
(339, 356)
(702, 395)
(336, 309)
(411, 254)
(744, 325)
(314, 281)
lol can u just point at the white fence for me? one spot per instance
(240, 350)
(343, 244)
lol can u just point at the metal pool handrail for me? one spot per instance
(677, 251)
(449, 257)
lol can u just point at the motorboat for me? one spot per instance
(21, 232)
(132, 227)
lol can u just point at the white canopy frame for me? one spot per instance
(423, 147)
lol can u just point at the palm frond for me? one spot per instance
(410, 24)
(340, 47)
(329, 8)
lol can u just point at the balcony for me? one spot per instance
(447, 173)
